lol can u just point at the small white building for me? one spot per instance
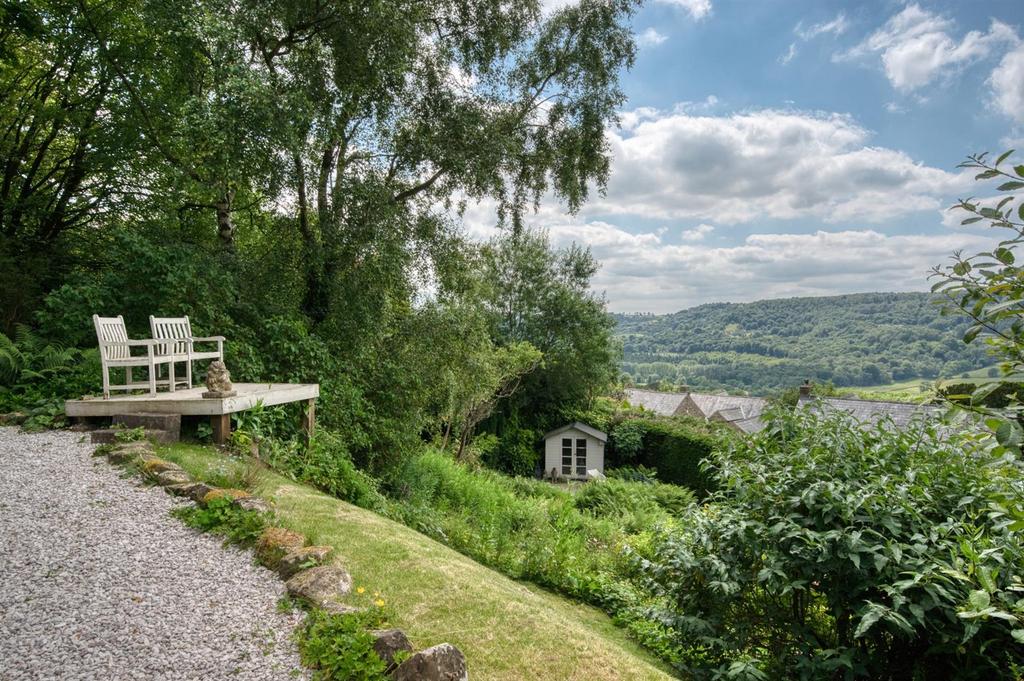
(573, 450)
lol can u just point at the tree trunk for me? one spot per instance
(225, 225)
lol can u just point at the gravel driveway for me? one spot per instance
(97, 581)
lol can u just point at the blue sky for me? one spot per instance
(775, 148)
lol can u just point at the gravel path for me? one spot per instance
(97, 581)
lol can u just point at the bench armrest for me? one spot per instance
(208, 338)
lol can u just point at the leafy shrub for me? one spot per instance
(1002, 395)
(611, 498)
(44, 415)
(627, 440)
(833, 551)
(221, 516)
(674, 499)
(339, 646)
(614, 498)
(674, 447)
(485, 447)
(518, 452)
(326, 465)
(123, 434)
(35, 374)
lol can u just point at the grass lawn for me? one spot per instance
(507, 629)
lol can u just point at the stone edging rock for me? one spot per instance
(308, 578)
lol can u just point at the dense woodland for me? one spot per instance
(291, 175)
(851, 340)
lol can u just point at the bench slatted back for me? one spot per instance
(111, 330)
(167, 328)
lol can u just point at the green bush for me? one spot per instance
(36, 374)
(1003, 395)
(831, 551)
(518, 452)
(326, 465)
(221, 516)
(621, 498)
(674, 447)
(340, 647)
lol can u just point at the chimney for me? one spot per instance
(805, 389)
(684, 388)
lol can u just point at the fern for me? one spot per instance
(28, 358)
(12, 361)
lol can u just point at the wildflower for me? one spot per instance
(360, 590)
(379, 602)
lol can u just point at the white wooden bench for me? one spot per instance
(116, 352)
(175, 339)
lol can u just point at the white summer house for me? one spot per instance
(573, 450)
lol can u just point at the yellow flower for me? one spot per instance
(379, 602)
(360, 590)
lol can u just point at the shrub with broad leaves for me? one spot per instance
(837, 551)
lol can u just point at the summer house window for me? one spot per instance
(581, 456)
(566, 456)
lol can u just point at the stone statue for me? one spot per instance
(218, 381)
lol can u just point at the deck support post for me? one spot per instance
(221, 424)
(308, 422)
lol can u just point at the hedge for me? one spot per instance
(672, 447)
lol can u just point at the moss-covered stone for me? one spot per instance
(275, 543)
(168, 478)
(191, 490)
(302, 558)
(13, 418)
(322, 586)
(154, 466)
(253, 504)
(125, 453)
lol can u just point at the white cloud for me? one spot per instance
(763, 164)
(650, 37)
(698, 9)
(916, 46)
(893, 107)
(836, 27)
(1007, 82)
(697, 233)
(788, 56)
(642, 273)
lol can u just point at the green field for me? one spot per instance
(921, 389)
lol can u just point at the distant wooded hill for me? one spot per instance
(853, 340)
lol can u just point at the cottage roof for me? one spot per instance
(872, 411)
(582, 427)
(663, 404)
(751, 425)
(732, 407)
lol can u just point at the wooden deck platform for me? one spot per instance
(190, 402)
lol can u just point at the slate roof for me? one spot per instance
(736, 406)
(663, 404)
(737, 410)
(871, 412)
(589, 430)
(751, 425)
